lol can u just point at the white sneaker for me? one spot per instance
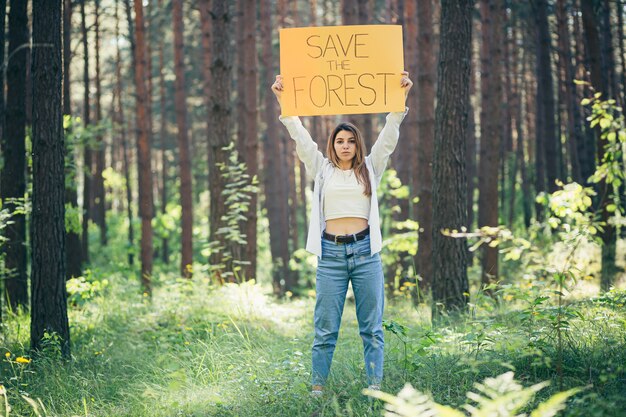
(374, 387)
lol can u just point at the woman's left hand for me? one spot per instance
(406, 83)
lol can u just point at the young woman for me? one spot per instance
(344, 232)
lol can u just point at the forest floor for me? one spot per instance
(194, 349)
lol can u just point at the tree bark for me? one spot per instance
(72, 238)
(49, 303)
(425, 109)
(600, 79)
(220, 129)
(566, 70)
(98, 180)
(146, 205)
(275, 191)
(545, 95)
(291, 159)
(123, 140)
(87, 154)
(491, 130)
(251, 141)
(186, 261)
(403, 159)
(13, 181)
(3, 10)
(450, 284)
(163, 139)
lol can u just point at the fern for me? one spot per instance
(501, 396)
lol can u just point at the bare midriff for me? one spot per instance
(345, 225)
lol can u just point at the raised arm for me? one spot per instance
(306, 147)
(388, 137)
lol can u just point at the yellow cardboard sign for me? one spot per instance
(341, 69)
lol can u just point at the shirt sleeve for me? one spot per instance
(386, 142)
(306, 147)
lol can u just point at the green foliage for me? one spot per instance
(82, 289)
(501, 396)
(401, 242)
(72, 219)
(612, 168)
(238, 191)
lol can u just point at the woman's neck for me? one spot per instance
(344, 166)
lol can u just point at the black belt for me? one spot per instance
(347, 238)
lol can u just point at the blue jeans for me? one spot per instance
(341, 263)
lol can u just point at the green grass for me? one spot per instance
(198, 350)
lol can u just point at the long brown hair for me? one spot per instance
(358, 162)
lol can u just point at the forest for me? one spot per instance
(154, 212)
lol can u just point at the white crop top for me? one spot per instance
(343, 196)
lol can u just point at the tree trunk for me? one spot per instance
(622, 53)
(146, 206)
(87, 155)
(219, 132)
(123, 140)
(566, 70)
(471, 149)
(491, 130)
(425, 111)
(545, 94)
(49, 303)
(530, 109)
(98, 180)
(291, 159)
(275, 192)
(251, 141)
(600, 80)
(404, 158)
(583, 57)
(450, 284)
(186, 261)
(13, 181)
(3, 10)
(72, 238)
(163, 139)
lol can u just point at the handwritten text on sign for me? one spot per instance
(341, 70)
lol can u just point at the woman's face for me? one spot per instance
(345, 145)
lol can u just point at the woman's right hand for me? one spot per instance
(277, 88)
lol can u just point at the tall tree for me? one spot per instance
(425, 111)
(186, 260)
(251, 147)
(450, 284)
(99, 208)
(600, 81)
(87, 154)
(491, 129)
(219, 133)
(546, 128)
(404, 159)
(121, 125)
(273, 173)
(291, 159)
(146, 206)
(72, 238)
(163, 134)
(13, 181)
(3, 11)
(48, 303)
(568, 92)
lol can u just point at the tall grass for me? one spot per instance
(199, 350)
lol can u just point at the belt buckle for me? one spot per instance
(336, 243)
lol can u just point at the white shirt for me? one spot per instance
(321, 168)
(343, 196)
